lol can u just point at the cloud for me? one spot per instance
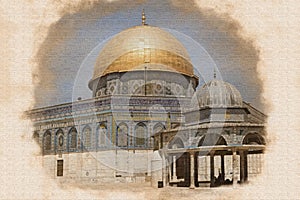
(25, 26)
(32, 29)
(71, 16)
(271, 26)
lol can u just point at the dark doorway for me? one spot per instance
(183, 170)
(60, 168)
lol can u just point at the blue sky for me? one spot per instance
(210, 40)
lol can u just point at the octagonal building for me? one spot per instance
(147, 121)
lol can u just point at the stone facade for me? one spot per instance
(147, 122)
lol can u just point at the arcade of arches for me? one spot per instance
(213, 162)
(149, 120)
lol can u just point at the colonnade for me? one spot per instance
(191, 166)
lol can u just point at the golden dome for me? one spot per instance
(132, 48)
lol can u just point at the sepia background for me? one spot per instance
(255, 46)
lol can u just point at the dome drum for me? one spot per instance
(156, 82)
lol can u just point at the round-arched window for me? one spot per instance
(122, 135)
(87, 134)
(140, 135)
(61, 140)
(47, 141)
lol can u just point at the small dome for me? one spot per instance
(218, 93)
(132, 48)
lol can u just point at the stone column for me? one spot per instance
(174, 168)
(168, 170)
(223, 167)
(196, 169)
(164, 174)
(159, 141)
(192, 171)
(246, 165)
(212, 169)
(242, 167)
(234, 166)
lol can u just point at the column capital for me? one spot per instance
(234, 151)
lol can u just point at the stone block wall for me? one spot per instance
(102, 166)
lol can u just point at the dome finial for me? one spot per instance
(143, 18)
(215, 74)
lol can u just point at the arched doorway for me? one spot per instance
(180, 164)
(253, 157)
(211, 164)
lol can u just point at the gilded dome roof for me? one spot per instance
(132, 48)
(217, 93)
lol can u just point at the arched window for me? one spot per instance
(72, 138)
(47, 141)
(59, 140)
(176, 143)
(254, 139)
(159, 127)
(122, 135)
(212, 140)
(87, 137)
(103, 139)
(140, 135)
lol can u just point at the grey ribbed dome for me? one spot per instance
(218, 93)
